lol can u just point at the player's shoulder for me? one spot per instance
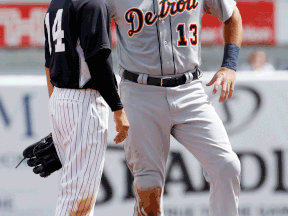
(59, 4)
(90, 4)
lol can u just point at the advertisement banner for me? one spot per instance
(258, 20)
(255, 119)
(22, 25)
(23, 120)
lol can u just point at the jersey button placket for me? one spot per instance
(166, 48)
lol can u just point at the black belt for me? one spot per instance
(165, 81)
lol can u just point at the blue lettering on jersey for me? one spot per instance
(166, 7)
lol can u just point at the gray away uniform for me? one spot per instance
(170, 45)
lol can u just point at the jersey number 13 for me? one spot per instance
(57, 32)
(182, 41)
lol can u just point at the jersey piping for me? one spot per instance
(172, 44)
(159, 45)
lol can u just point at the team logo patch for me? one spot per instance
(149, 18)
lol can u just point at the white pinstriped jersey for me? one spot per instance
(161, 37)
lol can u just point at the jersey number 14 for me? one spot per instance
(57, 32)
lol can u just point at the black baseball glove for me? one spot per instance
(42, 156)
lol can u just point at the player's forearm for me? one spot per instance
(104, 80)
(49, 84)
(233, 40)
(233, 29)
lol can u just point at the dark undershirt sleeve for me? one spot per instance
(95, 41)
(105, 80)
(94, 20)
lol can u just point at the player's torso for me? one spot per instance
(158, 36)
(63, 32)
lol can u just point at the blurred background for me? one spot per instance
(255, 118)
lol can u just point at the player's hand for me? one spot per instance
(227, 78)
(122, 125)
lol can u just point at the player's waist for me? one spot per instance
(164, 81)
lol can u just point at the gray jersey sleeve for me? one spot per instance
(221, 9)
(111, 7)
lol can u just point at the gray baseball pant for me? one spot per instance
(184, 112)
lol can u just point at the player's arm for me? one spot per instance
(49, 84)
(95, 42)
(233, 29)
(226, 75)
(47, 62)
(94, 37)
(106, 85)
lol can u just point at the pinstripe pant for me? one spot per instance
(79, 120)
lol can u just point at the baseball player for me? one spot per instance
(79, 73)
(159, 50)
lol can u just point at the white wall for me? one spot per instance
(282, 22)
(255, 118)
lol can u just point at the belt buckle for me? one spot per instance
(161, 83)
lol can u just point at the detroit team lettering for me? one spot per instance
(166, 7)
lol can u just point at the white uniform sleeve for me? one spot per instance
(221, 9)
